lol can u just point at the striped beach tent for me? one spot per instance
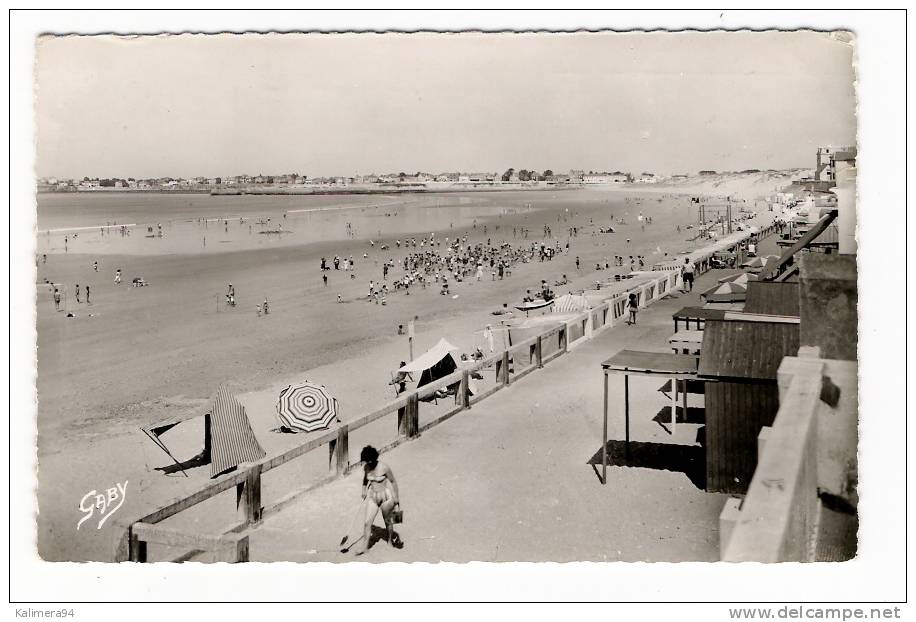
(570, 304)
(228, 438)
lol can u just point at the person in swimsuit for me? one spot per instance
(380, 489)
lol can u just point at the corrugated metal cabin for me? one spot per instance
(738, 361)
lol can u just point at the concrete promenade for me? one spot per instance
(509, 479)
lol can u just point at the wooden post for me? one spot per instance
(538, 352)
(505, 369)
(402, 418)
(465, 389)
(413, 415)
(339, 451)
(684, 397)
(626, 414)
(248, 496)
(564, 345)
(673, 405)
(409, 417)
(241, 550)
(604, 437)
(137, 549)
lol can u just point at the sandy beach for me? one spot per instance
(138, 355)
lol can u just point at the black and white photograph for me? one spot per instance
(450, 295)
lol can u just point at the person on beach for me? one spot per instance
(77, 292)
(266, 307)
(118, 276)
(87, 294)
(687, 273)
(95, 266)
(632, 307)
(56, 299)
(401, 378)
(324, 277)
(380, 491)
(577, 262)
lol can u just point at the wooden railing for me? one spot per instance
(231, 545)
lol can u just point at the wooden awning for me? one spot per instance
(651, 363)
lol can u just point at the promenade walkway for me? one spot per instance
(510, 479)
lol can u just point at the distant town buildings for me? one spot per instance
(647, 178)
(605, 178)
(830, 160)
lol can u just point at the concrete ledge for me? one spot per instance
(727, 520)
(780, 510)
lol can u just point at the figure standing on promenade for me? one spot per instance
(380, 490)
(633, 307)
(688, 274)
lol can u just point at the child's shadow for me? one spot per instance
(379, 534)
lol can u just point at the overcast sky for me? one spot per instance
(343, 104)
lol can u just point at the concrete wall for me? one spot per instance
(846, 204)
(778, 518)
(829, 305)
(811, 450)
(837, 425)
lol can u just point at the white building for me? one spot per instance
(604, 178)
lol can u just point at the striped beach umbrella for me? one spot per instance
(725, 292)
(306, 407)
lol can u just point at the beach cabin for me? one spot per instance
(738, 362)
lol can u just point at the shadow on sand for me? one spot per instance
(694, 415)
(687, 459)
(380, 534)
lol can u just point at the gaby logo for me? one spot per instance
(104, 505)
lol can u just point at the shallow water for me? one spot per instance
(192, 224)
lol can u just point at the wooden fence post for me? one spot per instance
(339, 451)
(137, 548)
(413, 415)
(241, 550)
(538, 352)
(402, 420)
(564, 345)
(465, 389)
(409, 417)
(505, 364)
(248, 496)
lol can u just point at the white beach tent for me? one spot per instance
(433, 364)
